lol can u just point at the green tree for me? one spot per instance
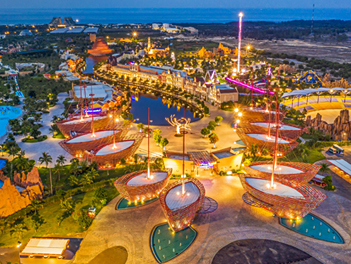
(60, 161)
(36, 205)
(140, 126)
(164, 142)
(35, 132)
(18, 230)
(205, 131)
(218, 120)
(35, 222)
(73, 180)
(84, 220)
(13, 150)
(324, 168)
(47, 159)
(157, 138)
(100, 194)
(253, 150)
(61, 194)
(211, 127)
(3, 224)
(68, 206)
(213, 139)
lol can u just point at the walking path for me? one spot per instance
(233, 220)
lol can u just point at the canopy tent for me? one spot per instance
(45, 247)
(307, 92)
(342, 165)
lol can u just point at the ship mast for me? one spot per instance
(149, 176)
(92, 110)
(81, 101)
(272, 185)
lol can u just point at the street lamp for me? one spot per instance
(19, 256)
(134, 34)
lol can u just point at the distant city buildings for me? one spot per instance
(67, 22)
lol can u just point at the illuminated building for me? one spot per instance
(100, 48)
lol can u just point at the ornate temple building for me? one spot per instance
(100, 48)
(153, 50)
(221, 51)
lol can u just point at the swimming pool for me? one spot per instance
(313, 226)
(7, 113)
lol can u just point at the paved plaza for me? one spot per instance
(232, 221)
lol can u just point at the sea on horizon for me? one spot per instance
(10, 16)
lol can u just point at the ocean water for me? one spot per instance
(167, 15)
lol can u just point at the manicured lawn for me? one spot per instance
(313, 156)
(68, 227)
(59, 136)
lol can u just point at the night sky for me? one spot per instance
(174, 4)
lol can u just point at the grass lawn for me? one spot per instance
(59, 136)
(68, 227)
(313, 156)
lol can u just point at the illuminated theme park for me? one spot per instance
(211, 142)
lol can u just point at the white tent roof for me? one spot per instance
(342, 165)
(318, 90)
(45, 246)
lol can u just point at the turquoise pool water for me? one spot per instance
(167, 245)
(7, 113)
(2, 164)
(1, 183)
(314, 227)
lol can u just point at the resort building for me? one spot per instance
(214, 93)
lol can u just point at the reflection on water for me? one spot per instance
(91, 61)
(159, 109)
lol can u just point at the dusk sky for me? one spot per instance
(175, 4)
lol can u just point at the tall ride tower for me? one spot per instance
(239, 38)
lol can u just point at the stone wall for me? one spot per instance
(11, 200)
(339, 130)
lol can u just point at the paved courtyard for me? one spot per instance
(233, 220)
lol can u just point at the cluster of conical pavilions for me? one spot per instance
(279, 187)
(102, 138)
(97, 135)
(180, 201)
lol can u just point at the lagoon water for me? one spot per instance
(158, 110)
(16, 15)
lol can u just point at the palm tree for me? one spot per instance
(36, 205)
(47, 159)
(18, 230)
(3, 225)
(86, 179)
(324, 168)
(12, 152)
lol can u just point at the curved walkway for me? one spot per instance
(233, 220)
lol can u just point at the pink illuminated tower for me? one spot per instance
(239, 38)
